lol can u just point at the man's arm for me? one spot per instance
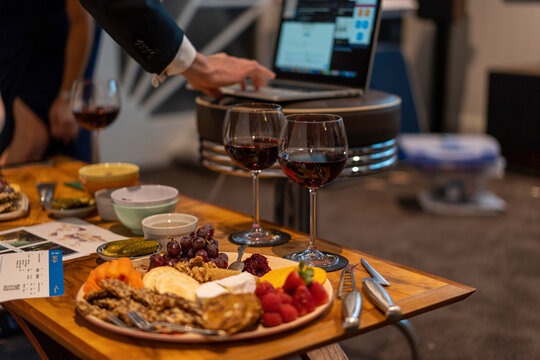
(143, 28)
(149, 34)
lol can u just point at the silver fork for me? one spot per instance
(352, 300)
(145, 325)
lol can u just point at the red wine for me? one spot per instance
(97, 117)
(312, 170)
(258, 155)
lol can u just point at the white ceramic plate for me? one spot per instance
(274, 263)
(100, 248)
(21, 209)
(81, 212)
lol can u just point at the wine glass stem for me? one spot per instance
(256, 226)
(312, 219)
(94, 147)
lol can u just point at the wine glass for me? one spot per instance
(250, 136)
(312, 153)
(95, 104)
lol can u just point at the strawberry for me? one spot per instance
(284, 298)
(263, 288)
(288, 313)
(293, 281)
(270, 319)
(303, 301)
(270, 302)
(301, 276)
(319, 294)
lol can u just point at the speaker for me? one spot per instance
(513, 117)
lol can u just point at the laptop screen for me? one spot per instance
(327, 41)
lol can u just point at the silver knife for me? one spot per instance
(352, 300)
(374, 289)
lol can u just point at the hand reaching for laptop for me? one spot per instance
(208, 74)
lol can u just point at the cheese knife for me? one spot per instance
(352, 300)
(373, 287)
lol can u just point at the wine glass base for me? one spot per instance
(270, 237)
(330, 262)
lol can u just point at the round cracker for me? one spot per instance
(149, 279)
(177, 283)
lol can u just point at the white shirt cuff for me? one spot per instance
(181, 62)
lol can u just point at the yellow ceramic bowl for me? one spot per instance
(108, 176)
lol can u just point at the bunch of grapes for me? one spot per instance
(198, 243)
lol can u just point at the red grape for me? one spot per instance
(185, 243)
(202, 253)
(206, 231)
(224, 257)
(214, 241)
(198, 244)
(191, 253)
(212, 250)
(184, 259)
(173, 248)
(156, 260)
(221, 262)
(172, 262)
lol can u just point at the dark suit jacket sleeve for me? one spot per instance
(143, 28)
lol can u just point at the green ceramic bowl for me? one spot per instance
(132, 216)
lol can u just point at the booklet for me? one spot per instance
(31, 274)
(72, 236)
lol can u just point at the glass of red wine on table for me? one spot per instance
(312, 153)
(95, 104)
(250, 137)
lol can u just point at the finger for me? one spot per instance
(243, 84)
(258, 80)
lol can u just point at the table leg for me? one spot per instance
(332, 351)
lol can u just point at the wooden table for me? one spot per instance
(415, 291)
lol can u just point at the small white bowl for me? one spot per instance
(160, 227)
(144, 195)
(104, 205)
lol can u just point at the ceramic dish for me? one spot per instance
(132, 216)
(21, 208)
(260, 331)
(107, 176)
(144, 195)
(160, 227)
(81, 212)
(100, 248)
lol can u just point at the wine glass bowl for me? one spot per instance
(312, 153)
(250, 137)
(95, 105)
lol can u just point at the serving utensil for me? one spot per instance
(145, 325)
(374, 289)
(352, 300)
(238, 265)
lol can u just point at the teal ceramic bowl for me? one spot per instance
(132, 216)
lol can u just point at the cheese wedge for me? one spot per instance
(177, 283)
(242, 283)
(209, 290)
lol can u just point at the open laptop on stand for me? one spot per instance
(324, 49)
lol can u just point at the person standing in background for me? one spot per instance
(44, 47)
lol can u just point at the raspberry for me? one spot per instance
(256, 265)
(270, 319)
(288, 313)
(320, 296)
(270, 302)
(263, 288)
(285, 298)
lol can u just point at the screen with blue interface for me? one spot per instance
(326, 40)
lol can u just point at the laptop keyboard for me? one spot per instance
(295, 88)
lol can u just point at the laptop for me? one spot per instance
(324, 49)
